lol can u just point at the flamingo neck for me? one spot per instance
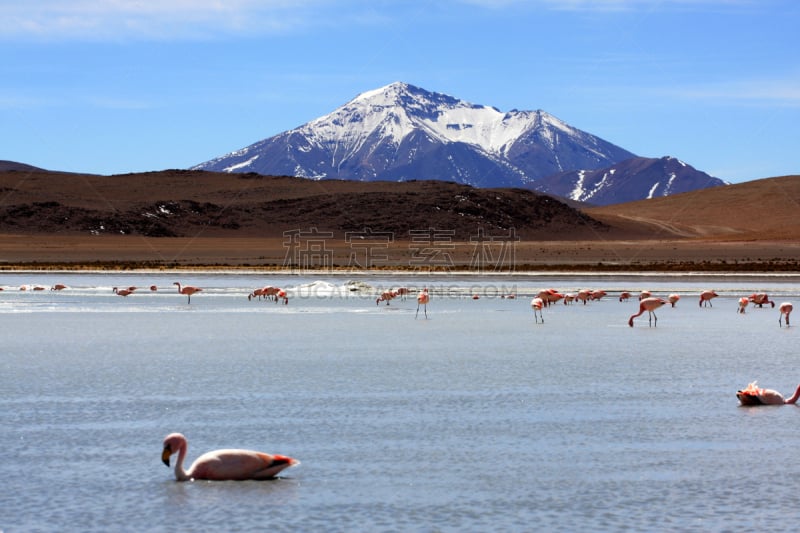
(180, 472)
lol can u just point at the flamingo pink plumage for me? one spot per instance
(537, 304)
(649, 305)
(422, 299)
(761, 298)
(386, 296)
(785, 309)
(743, 301)
(706, 296)
(673, 298)
(221, 465)
(122, 292)
(754, 395)
(188, 290)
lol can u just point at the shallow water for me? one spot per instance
(473, 419)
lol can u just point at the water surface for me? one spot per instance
(475, 418)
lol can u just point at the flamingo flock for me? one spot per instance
(647, 302)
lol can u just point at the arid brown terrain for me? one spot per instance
(180, 218)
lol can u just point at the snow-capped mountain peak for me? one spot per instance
(398, 109)
(403, 132)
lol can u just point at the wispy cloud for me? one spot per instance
(96, 20)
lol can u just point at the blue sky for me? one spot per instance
(118, 86)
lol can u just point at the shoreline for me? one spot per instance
(274, 255)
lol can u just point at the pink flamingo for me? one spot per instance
(537, 304)
(188, 290)
(402, 292)
(386, 296)
(760, 299)
(644, 294)
(598, 294)
(754, 395)
(785, 309)
(584, 295)
(122, 292)
(257, 293)
(706, 296)
(623, 297)
(673, 298)
(743, 301)
(153, 288)
(549, 296)
(569, 298)
(283, 295)
(221, 465)
(422, 299)
(650, 305)
(58, 287)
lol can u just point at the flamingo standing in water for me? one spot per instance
(706, 296)
(743, 301)
(673, 298)
(386, 296)
(650, 305)
(122, 292)
(760, 298)
(537, 304)
(58, 287)
(623, 297)
(188, 290)
(221, 465)
(422, 299)
(785, 309)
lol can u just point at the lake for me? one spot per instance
(474, 419)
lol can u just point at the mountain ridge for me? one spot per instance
(400, 132)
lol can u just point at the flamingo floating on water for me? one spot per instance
(754, 395)
(650, 305)
(122, 292)
(221, 465)
(188, 290)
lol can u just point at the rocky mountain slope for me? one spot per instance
(401, 132)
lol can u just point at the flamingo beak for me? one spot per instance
(166, 454)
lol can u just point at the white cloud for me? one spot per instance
(98, 20)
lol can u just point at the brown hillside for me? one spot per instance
(188, 218)
(760, 210)
(179, 203)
